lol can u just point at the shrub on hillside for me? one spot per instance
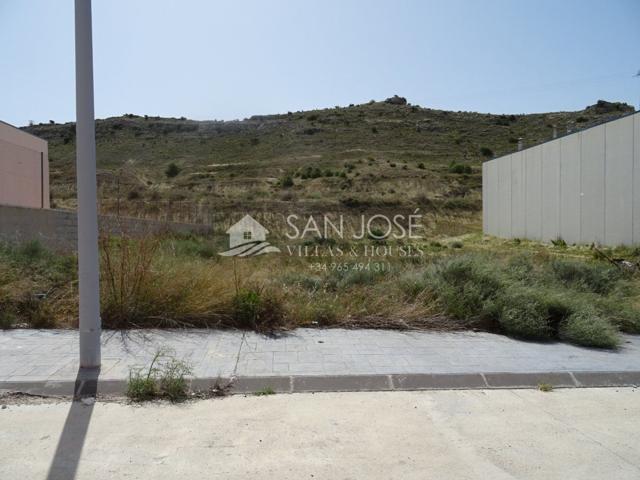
(172, 170)
(133, 195)
(311, 172)
(286, 181)
(486, 152)
(459, 169)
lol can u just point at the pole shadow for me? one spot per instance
(66, 458)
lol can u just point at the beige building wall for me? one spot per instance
(24, 168)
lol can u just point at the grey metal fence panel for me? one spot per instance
(550, 190)
(485, 207)
(533, 209)
(570, 188)
(636, 179)
(619, 181)
(492, 175)
(518, 215)
(583, 187)
(592, 181)
(504, 184)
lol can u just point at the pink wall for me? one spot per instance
(24, 169)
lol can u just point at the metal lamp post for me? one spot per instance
(88, 263)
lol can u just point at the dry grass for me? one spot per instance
(145, 285)
(520, 288)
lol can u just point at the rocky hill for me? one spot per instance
(375, 155)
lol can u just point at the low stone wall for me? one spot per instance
(58, 229)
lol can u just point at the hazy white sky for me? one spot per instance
(224, 60)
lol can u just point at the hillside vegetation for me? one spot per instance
(378, 155)
(384, 157)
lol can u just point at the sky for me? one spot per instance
(210, 59)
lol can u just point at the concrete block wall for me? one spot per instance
(58, 229)
(583, 188)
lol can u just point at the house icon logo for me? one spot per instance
(247, 238)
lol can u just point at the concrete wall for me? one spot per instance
(24, 168)
(58, 229)
(583, 188)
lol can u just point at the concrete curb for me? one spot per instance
(346, 383)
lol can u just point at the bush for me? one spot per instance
(7, 317)
(311, 172)
(459, 169)
(525, 314)
(467, 287)
(376, 235)
(172, 170)
(486, 152)
(165, 378)
(173, 383)
(412, 284)
(133, 195)
(590, 277)
(517, 298)
(585, 327)
(520, 267)
(129, 289)
(619, 312)
(193, 246)
(141, 388)
(286, 181)
(31, 251)
(258, 310)
(36, 311)
(342, 279)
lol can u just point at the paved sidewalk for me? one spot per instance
(52, 355)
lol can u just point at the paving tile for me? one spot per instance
(289, 357)
(280, 368)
